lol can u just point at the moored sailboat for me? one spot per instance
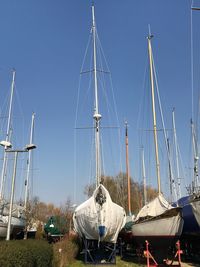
(191, 205)
(98, 220)
(157, 222)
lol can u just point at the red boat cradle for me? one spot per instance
(151, 262)
(177, 256)
(149, 257)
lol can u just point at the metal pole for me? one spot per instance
(28, 163)
(128, 170)
(28, 174)
(96, 115)
(176, 151)
(154, 113)
(144, 178)
(4, 167)
(12, 196)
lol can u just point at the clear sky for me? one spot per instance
(45, 42)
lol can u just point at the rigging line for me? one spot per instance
(142, 101)
(163, 123)
(101, 52)
(92, 70)
(192, 60)
(84, 59)
(111, 83)
(76, 118)
(117, 118)
(22, 117)
(181, 161)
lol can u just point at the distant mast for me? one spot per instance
(29, 162)
(195, 185)
(144, 177)
(176, 152)
(154, 112)
(96, 116)
(8, 132)
(128, 170)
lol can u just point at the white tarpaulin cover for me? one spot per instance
(154, 208)
(99, 212)
(17, 210)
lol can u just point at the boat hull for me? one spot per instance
(3, 229)
(164, 227)
(4, 226)
(161, 232)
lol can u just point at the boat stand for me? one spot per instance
(150, 259)
(177, 256)
(99, 252)
(151, 262)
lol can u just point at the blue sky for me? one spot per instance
(45, 42)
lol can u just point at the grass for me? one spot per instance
(120, 263)
(67, 254)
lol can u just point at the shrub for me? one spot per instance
(25, 253)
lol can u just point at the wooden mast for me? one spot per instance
(154, 113)
(128, 170)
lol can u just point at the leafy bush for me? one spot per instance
(25, 253)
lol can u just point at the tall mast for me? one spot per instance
(8, 132)
(29, 162)
(128, 170)
(144, 177)
(176, 151)
(196, 159)
(154, 113)
(96, 116)
(171, 181)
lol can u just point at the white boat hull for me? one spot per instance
(3, 230)
(17, 220)
(161, 232)
(160, 227)
(93, 221)
(4, 226)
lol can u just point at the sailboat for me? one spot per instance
(191, 205)
(18, 211)
(17, 218)
(98, 219)
(157, 222)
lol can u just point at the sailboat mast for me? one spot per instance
(3, 172)
(154, 113)
(29, 162)
(96, 116)
(196, 159)
(176, 151)
(144, 177)
(128, 170)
